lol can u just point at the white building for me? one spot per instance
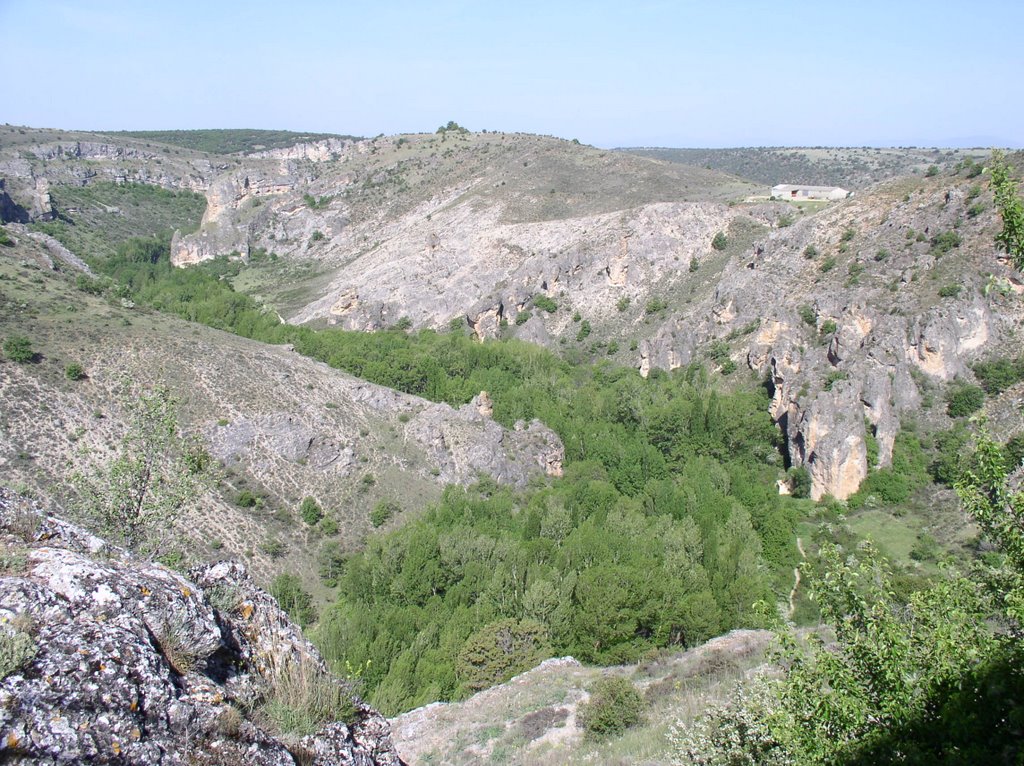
(800, 192)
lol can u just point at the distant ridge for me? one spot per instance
(228, 140)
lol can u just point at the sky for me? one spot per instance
(683, 74)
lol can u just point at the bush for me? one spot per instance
(827, 265)
(247, 499)
(810, 252)
(545, 303)
(584, 331)
(999, 374)
(18, 348)
(623, 303)
(964, 399)
(720, 241)
(949, 291)
(654, 305)
(808, 314)
(74, 371)
(523, 317)
(829, 326)
(614, 706)
(944, 242)
(383, 511)
(310, 511)
(5, 238)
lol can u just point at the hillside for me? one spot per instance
(282, 426)
(850, 168)
(598, 254)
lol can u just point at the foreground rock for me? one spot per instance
(109, 659)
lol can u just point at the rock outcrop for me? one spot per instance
(111, 659)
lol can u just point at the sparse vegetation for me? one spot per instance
(136, 497)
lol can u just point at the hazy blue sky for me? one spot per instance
(610, 74)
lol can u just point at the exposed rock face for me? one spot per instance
(10, 211)
(133, 664)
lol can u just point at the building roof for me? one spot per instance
(807, 187)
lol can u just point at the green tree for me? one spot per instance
(1011, 209)
(499, 650)
(137, 496)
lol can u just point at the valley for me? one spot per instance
(473, 400)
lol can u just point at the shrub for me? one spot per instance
(964, 399)
(5, 238)
(784, 221)
(74, 371)
(882, 254)
(999, 374)
(720, 241)
(932, 171)
(247, 499)
(310, 511)
(623, 303)
(834, 377)
(949, 291)
(808, 315)
(848, 234)
(944, 242)
(694, 266)
(18, 348)
(614, 706)
(654, 305)
(523, 317)
(545, 303)
(827, 265)
(383, 511)
(810, 252)
(584, 331)
(829, 326)
(317, 236)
